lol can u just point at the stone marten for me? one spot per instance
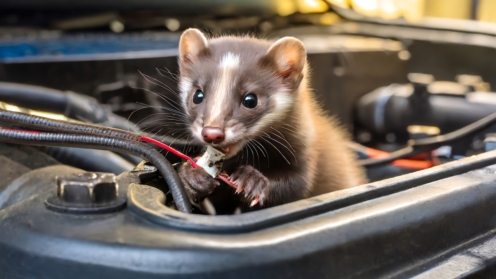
(251, 99)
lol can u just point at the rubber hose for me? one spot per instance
(90, 159)
(33, 97)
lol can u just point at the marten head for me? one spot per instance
(234, 88)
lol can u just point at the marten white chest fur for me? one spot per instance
(251, 99)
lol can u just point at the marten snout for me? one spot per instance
(213, 134)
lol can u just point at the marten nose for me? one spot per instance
(213, 134)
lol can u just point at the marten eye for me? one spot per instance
(250, 100)
(198, 97)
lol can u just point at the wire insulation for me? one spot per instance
(46, 124)
(172, 150)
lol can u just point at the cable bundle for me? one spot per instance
(48, 132)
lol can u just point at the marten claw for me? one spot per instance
(255, 201)
(253, 184)
(240, 189)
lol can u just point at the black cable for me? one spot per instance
(105, 143)
(416, 147)
(46, 124)
(456, 135)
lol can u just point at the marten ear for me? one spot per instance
(289, 57)
(191, 46)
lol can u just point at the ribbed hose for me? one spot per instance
(112, 144)
(36, 122)
(45, 124)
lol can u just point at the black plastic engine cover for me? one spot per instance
(417, 224)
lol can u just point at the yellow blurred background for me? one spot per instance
(482, 10)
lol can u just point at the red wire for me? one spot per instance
(372, 153)
(415, 162)
(172, 150)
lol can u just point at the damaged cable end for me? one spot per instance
(212, 161)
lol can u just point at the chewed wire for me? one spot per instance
(171, 150)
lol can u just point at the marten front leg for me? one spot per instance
(281, 187)
(197, 182)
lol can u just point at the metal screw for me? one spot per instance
(87, 188)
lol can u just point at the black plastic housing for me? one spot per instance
(420, 223)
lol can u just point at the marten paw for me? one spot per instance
(252, 183)
(197, 182)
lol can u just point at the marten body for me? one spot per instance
(251, 99)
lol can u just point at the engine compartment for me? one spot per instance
(374, 230)
(411, 219)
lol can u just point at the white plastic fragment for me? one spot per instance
(212, 161)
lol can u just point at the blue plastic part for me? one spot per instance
(66, 46)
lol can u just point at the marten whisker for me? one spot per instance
(179, 113)
(290, 128)
(171, 78)
(256, 151)
(283, 138)
(176, 76)
(171, 119)
(187, 141)
(158, 83)
(155, 114)
(258, 143)
(290, 151)
(136, 110)
(165, 98)
(264, 151)
(252, 154)
(178, 130)
(167, 153)
(167, 115)
(162, 119)
(160, 130)
(277, 150)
